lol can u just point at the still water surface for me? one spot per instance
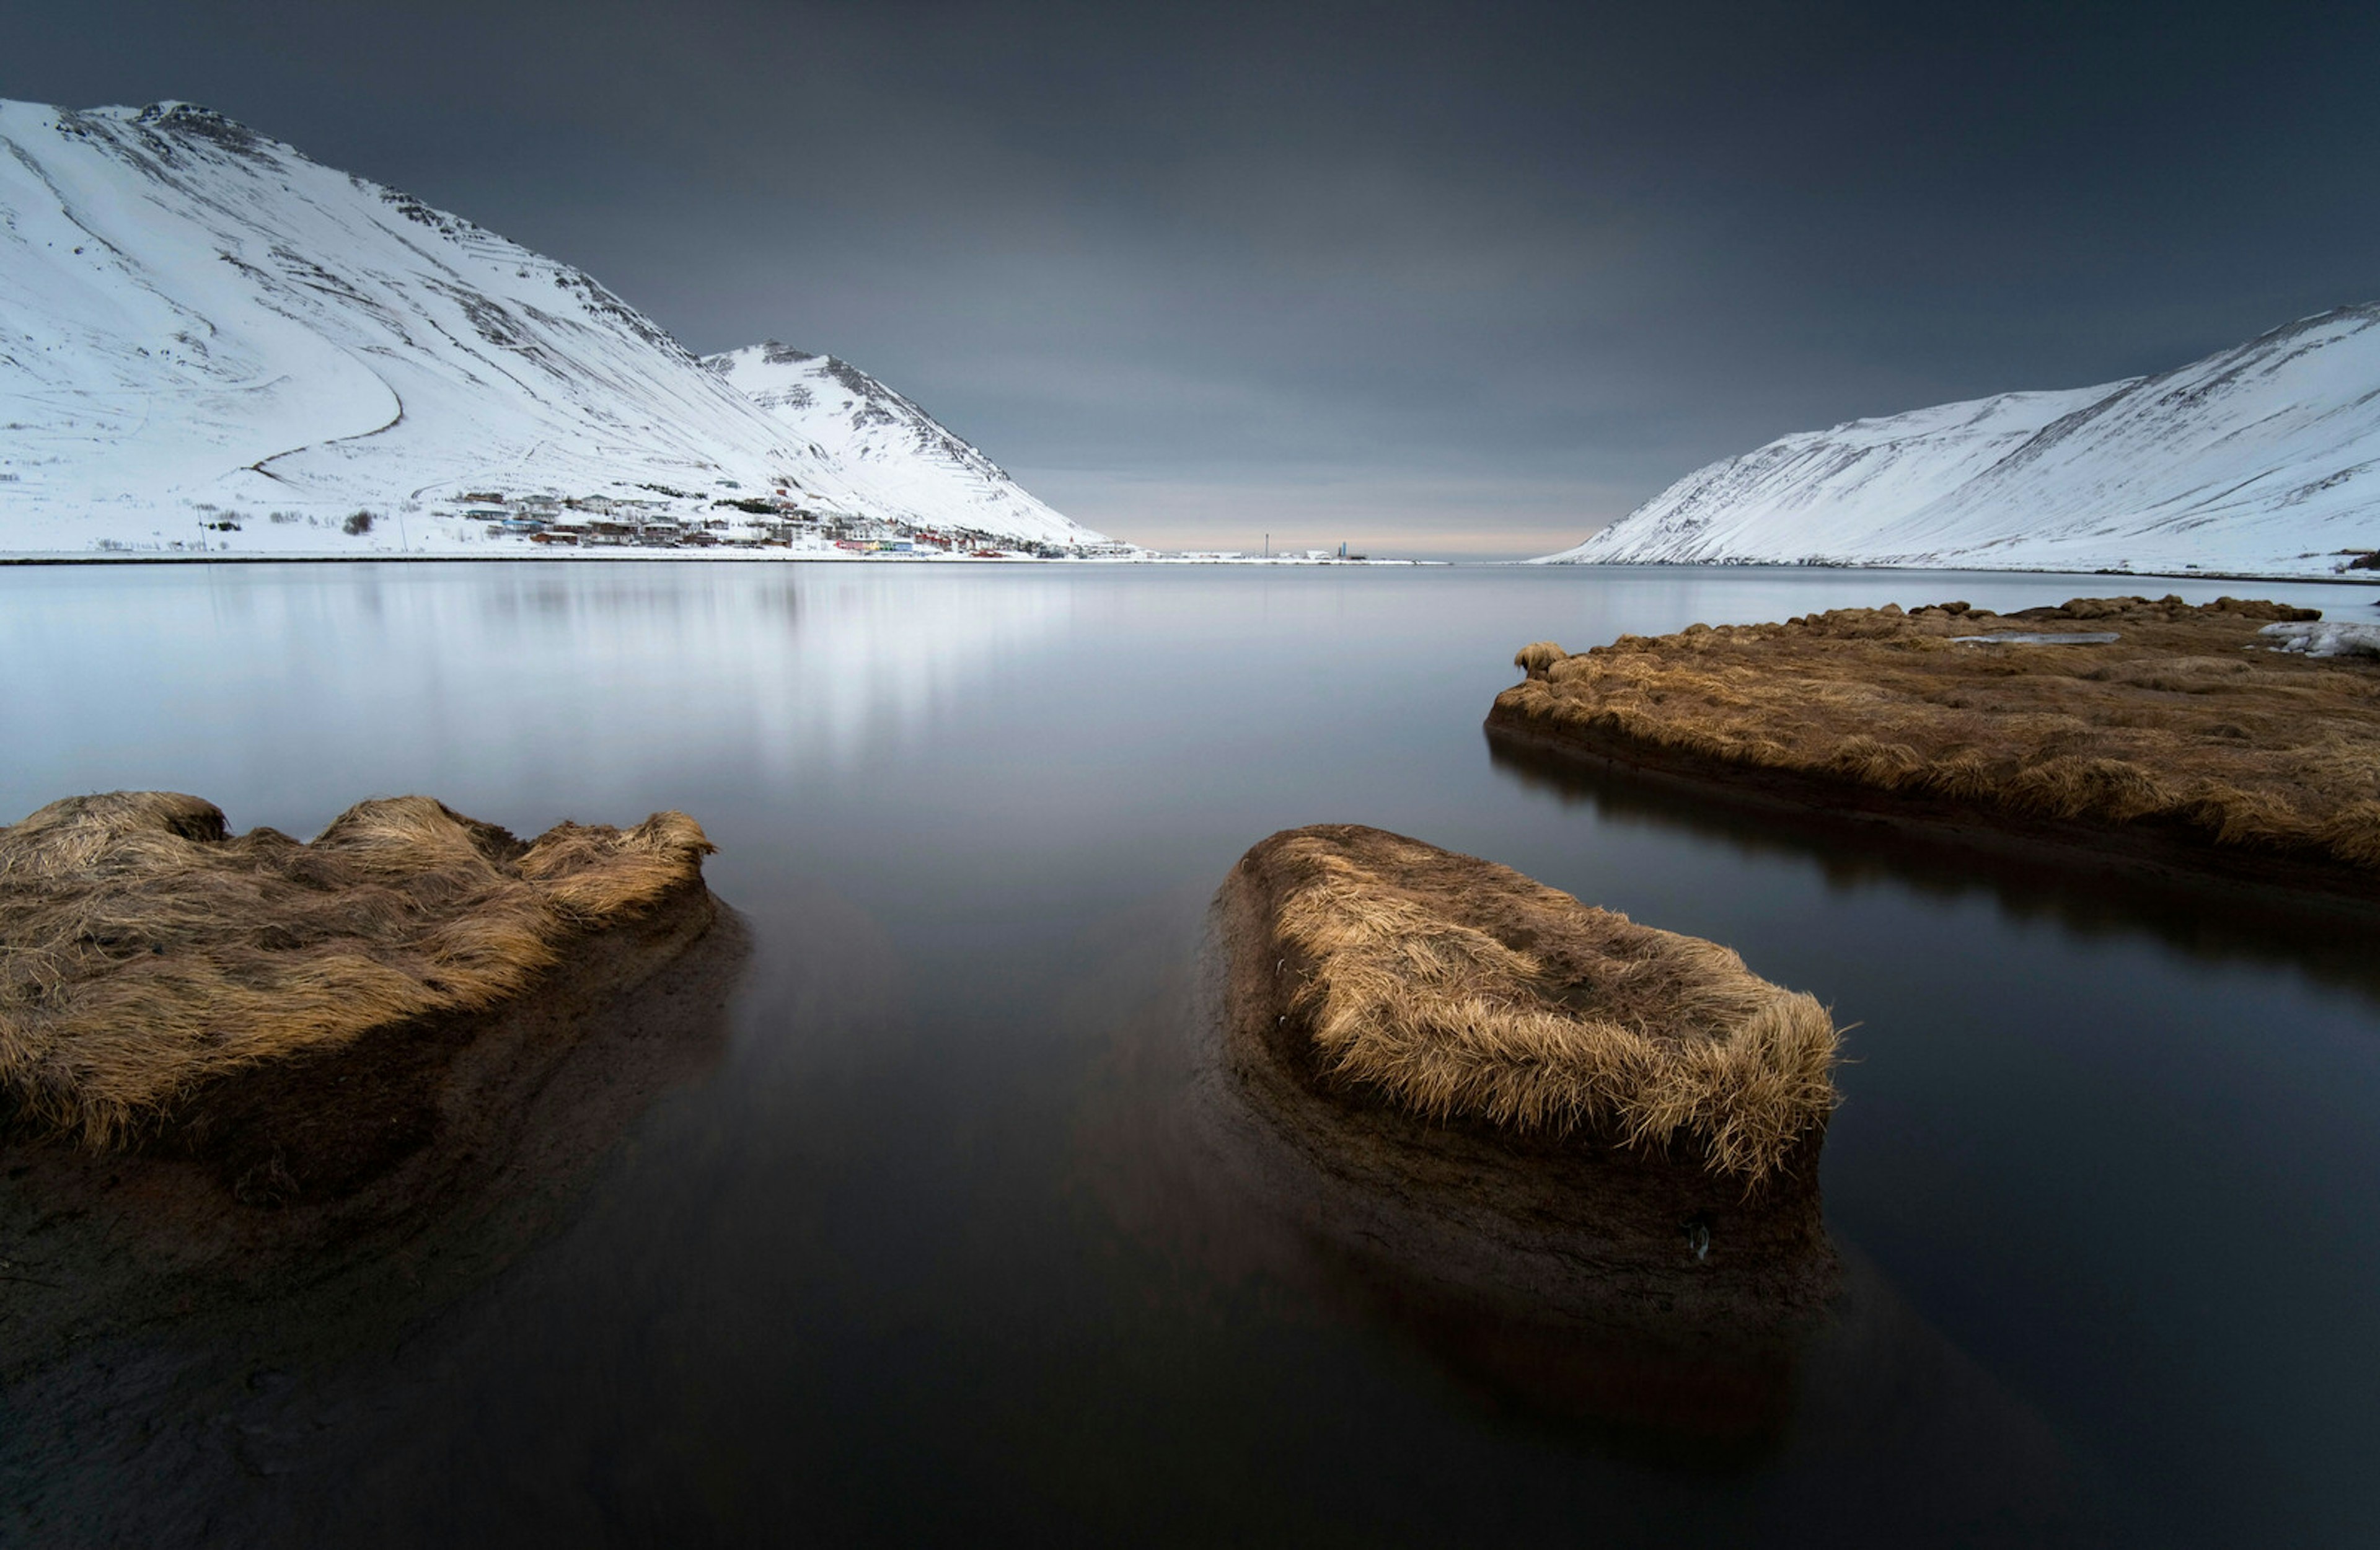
(915, 1260)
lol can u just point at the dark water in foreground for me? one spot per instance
(919, 1259)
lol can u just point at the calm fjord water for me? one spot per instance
(919, 1259)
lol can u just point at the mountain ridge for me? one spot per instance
(209, 341)
(2259, 459)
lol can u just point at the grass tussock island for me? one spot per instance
(146, 952)
(2208, 731)
(1460, 989)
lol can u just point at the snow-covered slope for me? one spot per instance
(2260, 460)
(199, 329)
(848, 419)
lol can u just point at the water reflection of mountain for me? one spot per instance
(771, 671)
(822, 663)
(2198, 919)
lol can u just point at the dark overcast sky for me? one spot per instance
(1452, 279)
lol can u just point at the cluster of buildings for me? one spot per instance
(680, 520)
(600, 520)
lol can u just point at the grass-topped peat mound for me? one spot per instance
(1522, 1101)
(2181, 738)
(1461, 989)
(303, 1014)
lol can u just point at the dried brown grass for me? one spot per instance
(1461, 989)
(144, 951)
(2187, 721)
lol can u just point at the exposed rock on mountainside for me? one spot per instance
(2260, 460)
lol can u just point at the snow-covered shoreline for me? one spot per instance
(2339, 577)
(714, 557)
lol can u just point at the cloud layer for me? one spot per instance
(1456, 280)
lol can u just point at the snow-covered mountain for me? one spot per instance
(843, 416)
(2261, 460)
(209, 341)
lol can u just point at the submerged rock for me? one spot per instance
(1590, 1146)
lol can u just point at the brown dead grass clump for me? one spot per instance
(1461, 988)
(145, 950)
(2186, 723)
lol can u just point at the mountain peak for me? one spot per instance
(186, 120)
(175, 114)
(841, 413)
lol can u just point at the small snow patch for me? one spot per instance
(2042, 637)
(2326, 639)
